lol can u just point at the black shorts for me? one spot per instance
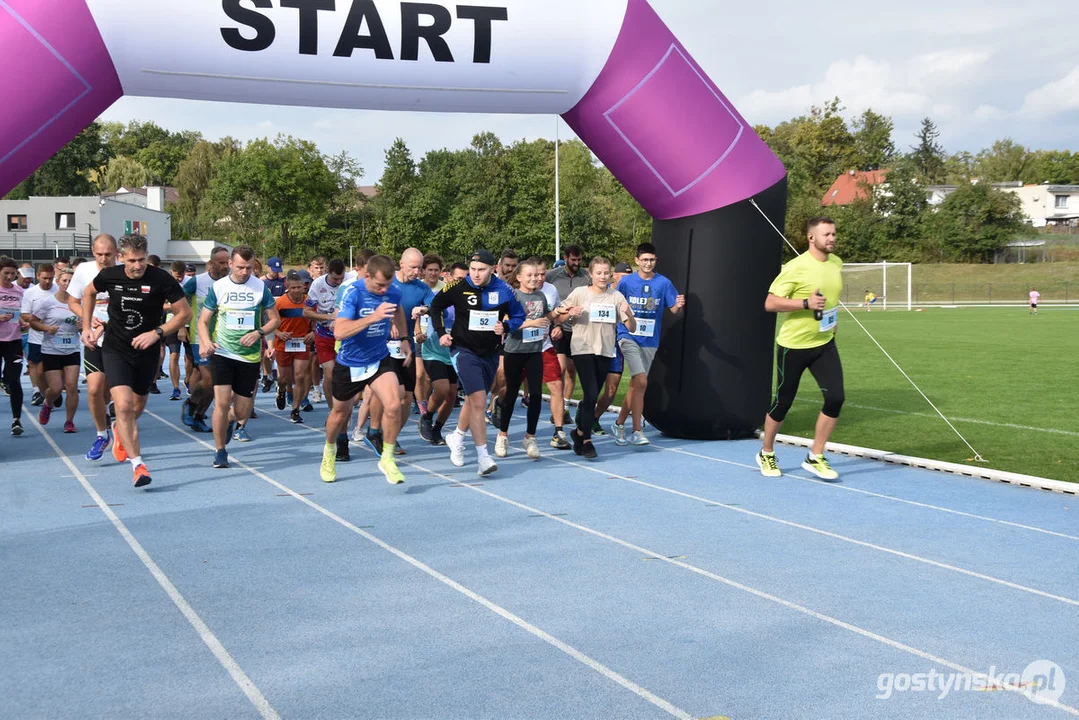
(187, 349)
(137, 371)
(58, 362)
(241, 376)
(437, 370)
(92, 362)
(561, 346)
(344, 388)
(33, 352)
(406, 376)
(172, 342)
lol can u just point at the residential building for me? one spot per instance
(853, 185)
(1046, 204)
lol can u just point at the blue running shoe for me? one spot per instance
(306, 407)
(187, 414)
(288, 398)
(97, 450)
(373, 441)
(200, 426)
(228, 432)
(241, 434)
(221, 458)
(175, 394)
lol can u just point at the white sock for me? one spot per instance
(481, 452)
(459, 431)
(136, 461)
(103, 433)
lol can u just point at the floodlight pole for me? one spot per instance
(557, 200)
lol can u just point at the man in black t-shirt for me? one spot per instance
(137, 295)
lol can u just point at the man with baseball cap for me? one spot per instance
(275, 283)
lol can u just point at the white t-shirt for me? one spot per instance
(551, 293)
(32, 296)
(320, 298)
(66, 341)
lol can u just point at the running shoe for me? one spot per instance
(389, 468)
(502, 446)
(342, 450)
(254, 415)
(436, 436)
(57, 402)
(818, 465)
(638, 438)
(487, 416)
(44, 413)
(296, 417)
(588, 450)
(16, 427)
(142, 476)
(199, 425)
(175, 394)
(240, 435)
(560, 442)
(37, 399)
(373, 440)
(118, 452)
(154, 390)
(307, 407)
(97, 450)
(531, 447)
(280, 398)
(328, 470)
(187, 413)
(486, 466)
(288, 398)
(221, 458)
(618, 432)
(267, 383)
(357, 434)
(316, 394)
(455, 441)
(597, 429)
(768, 465)
(427, 428)
(69, 427)
(496, 416)
(578, 442)
(398, 449)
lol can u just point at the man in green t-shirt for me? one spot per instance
(808, 290)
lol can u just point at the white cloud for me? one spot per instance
(264, 125)
(945, 68)
(1054, 97)
(987, 112)
(322, 124)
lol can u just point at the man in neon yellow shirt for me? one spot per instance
(808, 289)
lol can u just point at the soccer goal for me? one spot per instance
(887, 285)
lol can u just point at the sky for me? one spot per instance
(982, 69)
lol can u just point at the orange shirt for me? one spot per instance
(292, 319)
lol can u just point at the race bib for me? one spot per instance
(359, 374)
(645, 328)
(531, 335)
(240, 320)
(828, 319)
(15, 312)
(101, 311)
(482, 320)
(425, 325)
(394, 347)
(64, 341)
(602, 314)
(295, 345)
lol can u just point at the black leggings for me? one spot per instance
(11, 357)
(823, 363)
(531, 365)
(592, 373)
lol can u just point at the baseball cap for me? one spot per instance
(623, 268)
(26, 272)
(190, 268)
(304, 275)
(484, 256)
(274, 264)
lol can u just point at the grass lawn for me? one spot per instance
(1006, 380)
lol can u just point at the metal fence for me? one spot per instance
(43, 247)
(994, 293)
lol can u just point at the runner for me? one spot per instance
(566, 279)
(200, 383)
(59, 329)
(93, 365)
(137, 295)
(363, 326)
(1035, 296)
(275, 281)
(11, 352)
(649, 294)
(293, 352)
(439, 367)
(808, 288)
(614, 375)
(597, 308)
(316, 268)
(245, 315)
(480, 302)
(31, 297)
(522, 358)
(552, 369)
(320, 308)
(432, 278)
(175, 346)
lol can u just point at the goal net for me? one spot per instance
(888, 285)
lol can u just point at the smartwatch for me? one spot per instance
(262, 334)
(159, 331)
(805, 303)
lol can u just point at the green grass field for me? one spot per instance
(1004, 378)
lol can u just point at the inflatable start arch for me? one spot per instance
(610, 68)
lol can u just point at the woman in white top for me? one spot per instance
(60, 348)
(597, 309)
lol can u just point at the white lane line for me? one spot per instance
(205, 633)
(528, 627)
(895, 644)
(837, 486)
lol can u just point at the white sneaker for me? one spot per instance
(531, 448)
(502, 446)
(486, 466)
(316, 394)
(456, 443)
(618, 432)
(357, 435)
(638, 438)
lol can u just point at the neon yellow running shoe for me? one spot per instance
(768, 465)
(818, 465)
(328, 470)
(390, 470)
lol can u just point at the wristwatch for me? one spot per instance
(805, 303)
(159, 331)
(260, 332)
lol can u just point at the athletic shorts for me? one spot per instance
(561, 345)
(92, 362)
(285, 359)
(241, 376)
(188, 349)
(198, 360)
(638, 359)
(437, 370)
(172, 342)
(1034, 305)
(344, 388)
(59, 362)
(617, 362)
(406, 376)
(324, 349)
(137, 371)
(33, 353)
(475, 373)
(552, 371)
(25, 344)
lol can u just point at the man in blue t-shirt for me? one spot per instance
(370, 307)
(649, 294)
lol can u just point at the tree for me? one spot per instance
(960, 168)
(125, 172)
(397, 224)
(73, 170)
(1006, 161)
(155, 148)
(873, 140)
(975, 221)
(1058, 167)
(194, 177)
(928, 155)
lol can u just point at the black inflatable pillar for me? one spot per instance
(712, 376)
